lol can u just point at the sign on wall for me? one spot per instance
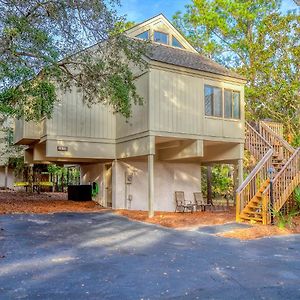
(62, 148)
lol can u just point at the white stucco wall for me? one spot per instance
(94, 173)
(168, 178)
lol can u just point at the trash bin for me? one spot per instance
(80, 192)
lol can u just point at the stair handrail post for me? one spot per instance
(238, 207)
(264, 209)
(271, 172)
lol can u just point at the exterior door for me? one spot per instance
(108, 185)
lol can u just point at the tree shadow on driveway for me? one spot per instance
(104, 256)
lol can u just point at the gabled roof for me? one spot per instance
(160, 20)
(187, 59)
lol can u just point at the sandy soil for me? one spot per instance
(21, 202)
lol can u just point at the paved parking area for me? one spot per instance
(104, 256)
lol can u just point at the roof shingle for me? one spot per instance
(183, 58)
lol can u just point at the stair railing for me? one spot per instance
(275, 126)
(262, 150)
(284, 183)
(281, 147)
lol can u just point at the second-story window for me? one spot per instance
(144, 35)
(213, 101)
(232, 104)
(161, 37)
(176, 43)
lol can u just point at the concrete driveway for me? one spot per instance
(103, 256)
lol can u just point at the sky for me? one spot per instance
(140, 10)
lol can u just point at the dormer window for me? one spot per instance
(144, 35)
(176, 43)
(161, 37)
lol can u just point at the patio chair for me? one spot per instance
(182, 204)
(200, 202)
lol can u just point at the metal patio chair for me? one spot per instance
(182, 205)
(200, 202)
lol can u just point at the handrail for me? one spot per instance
(257, 168)
(275, 126)
(297, 151)
(274, 135)
(261, 144)
(258, 134)
(263, 151)
(270, 148)
(286, 180)
(283, 187)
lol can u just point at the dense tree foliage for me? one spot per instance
(258, 41)
(51, 44)
(222, 181)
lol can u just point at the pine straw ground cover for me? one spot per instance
(43, 203)
(180, 220)
(198, 219)
(260, 231)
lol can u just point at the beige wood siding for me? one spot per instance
(80, 149)
(73, 118)
(175, 102)
(138, 122)
(223, 127)
(177, 106)
(26, 130)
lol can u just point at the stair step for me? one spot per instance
(250, 218)
(253, 206)
(277, 163)
(249, 212)
(255, 200)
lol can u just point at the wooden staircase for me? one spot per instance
(265, 142)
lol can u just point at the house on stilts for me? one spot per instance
(193, 115)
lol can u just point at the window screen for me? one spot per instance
(218, 110)
(213, 101)
(208, 100)
(236, 105)
(228, 104)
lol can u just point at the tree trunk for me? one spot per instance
(209, 183)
